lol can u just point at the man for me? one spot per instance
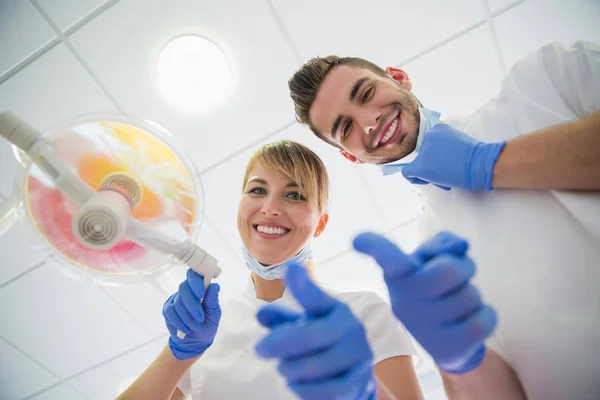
(519, 179)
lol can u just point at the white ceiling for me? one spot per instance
(64, 339)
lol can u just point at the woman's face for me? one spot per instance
(275, 221)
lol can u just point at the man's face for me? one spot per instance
(373, 119)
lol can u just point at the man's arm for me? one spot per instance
(494, 379)
(565, 156)
(160, 380)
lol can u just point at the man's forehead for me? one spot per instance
(333, 94)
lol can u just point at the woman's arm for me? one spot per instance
(494, 379)
(399, 377)
(160, 379)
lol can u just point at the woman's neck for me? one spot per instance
(271, 290)
(268, 290)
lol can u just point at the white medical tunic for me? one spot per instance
(537, 252)
(230, 368)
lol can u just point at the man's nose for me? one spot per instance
(369, 120)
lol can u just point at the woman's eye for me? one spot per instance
(295, 196)
(258, 191)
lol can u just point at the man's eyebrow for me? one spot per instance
(334, 129)
(356, 87)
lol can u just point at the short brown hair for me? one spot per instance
(298, 163)
(306, 82)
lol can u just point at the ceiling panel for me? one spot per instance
(79, 324)
(407, 237)
(384, 31)
(458, 77)
(60, 392)
(497, 5)
(351, 208)
(18, 253)
(247, 33)
(532, 24)
(19, 375)
(110, 379)
(65, 13)
(23, 31)
(51, 90)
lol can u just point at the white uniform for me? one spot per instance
(537, 252)
(230, 368)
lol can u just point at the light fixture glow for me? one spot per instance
(193, 74)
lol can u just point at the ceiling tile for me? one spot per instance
(60, 392)
(384, 31)
(66, 12)
(23, 31)
(458, 77)
(352, 271)
(247, 33)
(393, 195)
(497, 5)
(110, 379)
(51, 90)
(533, 23)
(80, 325)
(19, 375)
(18, 253)
(351, 208)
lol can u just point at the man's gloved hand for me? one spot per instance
(431, 295)
(452, 159)
(323, 352)
(199, 320)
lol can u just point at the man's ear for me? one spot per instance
(350, 157)
(400, 76)
(322, 224)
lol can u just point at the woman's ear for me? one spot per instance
(400, 76)
(322, 224)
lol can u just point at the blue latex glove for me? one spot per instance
(199, 320)
(431, 293)
(323, 352)
(452, 159)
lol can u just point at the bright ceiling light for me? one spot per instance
(193, 74)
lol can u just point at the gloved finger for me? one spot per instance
(191, 302)
(351, 350)
(306, 335)
(356, 383)
(210, 303)
(196, 282)
(273, 315)
(312, 298)
(172, 317)
(184, 314)
(391, 259)
(441, 275)
(446, 188)
(457, 306)
(442, 242)
(471, 333)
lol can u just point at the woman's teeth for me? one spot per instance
(271, 230)
(390, 132)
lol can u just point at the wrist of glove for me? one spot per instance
(195, 313)
(481, 167)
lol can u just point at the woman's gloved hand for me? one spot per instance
(194, 312)
(323, 352)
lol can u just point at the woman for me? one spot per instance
(283, 206)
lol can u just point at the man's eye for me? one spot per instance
(347, 127)
(366, 95)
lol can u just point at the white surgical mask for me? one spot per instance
(427, 120)
(276, 271)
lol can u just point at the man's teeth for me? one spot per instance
(271, 230)
(390, 132)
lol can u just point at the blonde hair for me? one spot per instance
(298, 163)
